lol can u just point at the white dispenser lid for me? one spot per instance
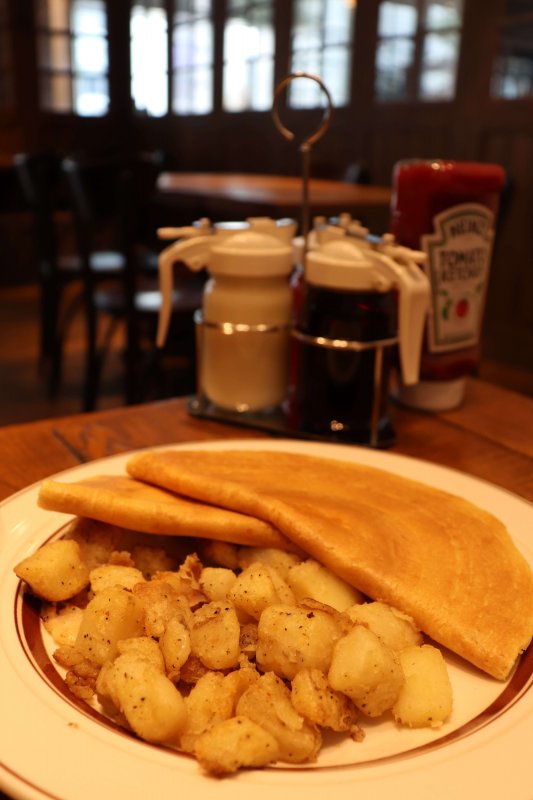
(341, 264)
(250, 253)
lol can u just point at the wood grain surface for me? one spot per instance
(489, 437)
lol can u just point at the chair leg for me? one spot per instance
(92, 367)
(49, 357)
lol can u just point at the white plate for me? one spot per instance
(51, 746)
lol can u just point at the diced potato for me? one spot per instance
(235, 743)
(223, 554)
(175, 646)
(268, 703)
(215, 635)
(145, 647)
(291, 638)
(150, 560)
(62, 623)
(248, 639)
(395, 629)
(97, 540)
(160, 602)
(150, 702)
(107, 575)
(216, 582)
(311, 579)
(56, 571)
(209, 701)
(366, 670)
(186, 580)
(314, 699)
(426, 696)
(111, 615)
(236, 682)
(256, 588)
(280, 560)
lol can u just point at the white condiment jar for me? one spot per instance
(246, 313)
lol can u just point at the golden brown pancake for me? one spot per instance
(450, 565)
(119, 500)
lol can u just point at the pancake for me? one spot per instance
(450, 565)
(123, 501)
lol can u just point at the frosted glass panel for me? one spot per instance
(248, 77)
(91, 96)
(443, 14)
(148, 58)
(393, 61)
(398, 19)
(321, 43)
(72, 48)
(192, 57)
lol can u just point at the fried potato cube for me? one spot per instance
(160, 602)
(395, 629)
(209, 701)
(175, 645)
(107, 575)
(236, 682)
(186, 579)
(215, 582)
(111, 615)
(149, 701)
(291, 638)
(426, 696)
(56, 571)
(366, 670)
(150, 560)
(235, 743)
(145, 647)
(314, 699)
(268, 703)
(62, 623)
(280, 560)
(258, 587)
(223, 554)
(215, 635)
(97, 540)
(311, 579)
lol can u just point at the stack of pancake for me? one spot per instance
(450, 565)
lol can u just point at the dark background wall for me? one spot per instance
(472, 127)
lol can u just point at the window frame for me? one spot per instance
(44, 72)
(413, 96)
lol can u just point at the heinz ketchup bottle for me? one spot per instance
(448, 209)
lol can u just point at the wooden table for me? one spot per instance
(490, 437)
(243, 195)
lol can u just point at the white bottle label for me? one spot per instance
(459, 254)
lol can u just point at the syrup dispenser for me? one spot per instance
(363, 309)
(243, 327)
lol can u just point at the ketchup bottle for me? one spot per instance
(448, 209)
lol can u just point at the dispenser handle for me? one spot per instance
(194, 253)
(414, 295)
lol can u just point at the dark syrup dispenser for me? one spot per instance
(361, 312)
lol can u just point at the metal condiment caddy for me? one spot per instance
(299, 335)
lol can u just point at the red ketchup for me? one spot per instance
(448, 209)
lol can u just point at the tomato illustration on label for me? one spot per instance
(462, 308)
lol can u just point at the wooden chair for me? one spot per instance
(118, 192)
(40, 178)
